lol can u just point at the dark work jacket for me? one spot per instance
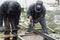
(8, 9)
(35, 15)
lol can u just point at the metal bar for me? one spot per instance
(51, 29)
(44, 35)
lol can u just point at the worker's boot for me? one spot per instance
(15, 33)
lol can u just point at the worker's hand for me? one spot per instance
(30, 17)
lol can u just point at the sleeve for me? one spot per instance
(19, 11)
(29, 11)
(2, 8)
(44, 12)
(17, 15)
(1, 18)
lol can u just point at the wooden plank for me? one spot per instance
(12, 35)
(33, 37)
(29, 36)
(5, 36)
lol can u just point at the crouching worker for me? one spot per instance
(10, 13)
(36, 12)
